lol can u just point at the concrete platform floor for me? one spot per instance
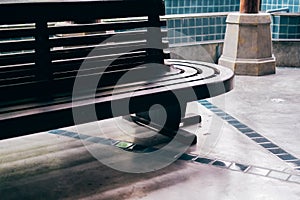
(248, 148)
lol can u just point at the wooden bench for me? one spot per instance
(42, 62)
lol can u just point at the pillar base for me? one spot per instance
(248, 44)
(250, 67)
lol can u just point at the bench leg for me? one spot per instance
(167, 120)
(169, 117)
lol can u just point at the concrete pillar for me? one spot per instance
(248, 44)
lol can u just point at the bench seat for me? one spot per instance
(58, 112)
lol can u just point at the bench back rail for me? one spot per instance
(41, 54)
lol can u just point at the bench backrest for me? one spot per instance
(40, 54)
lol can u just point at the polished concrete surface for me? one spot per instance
(256, 158)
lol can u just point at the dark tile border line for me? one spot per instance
(233, 166)
(247, 169)
(254, 136)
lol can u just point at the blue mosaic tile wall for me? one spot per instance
(286, 27)
(293, 5)
(190, 30)
(200, 6)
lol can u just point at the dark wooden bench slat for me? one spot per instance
(25, 93)
(109, 63)
(79, 52)
(98, 27)
(106, 49)
(17, 45)
(68, 11)
(16, 58)
(95, 71)
(63, 86)
(17, 73)
(17, 80)
(62, 97)
(67, 82)
(105, 90)
(98, 38)
(107, 78)
(15, 32)
(101, 91)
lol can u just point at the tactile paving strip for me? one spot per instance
(128, 146)
(254, 136)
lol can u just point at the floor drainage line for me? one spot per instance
(215, 162)
(247, 131)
